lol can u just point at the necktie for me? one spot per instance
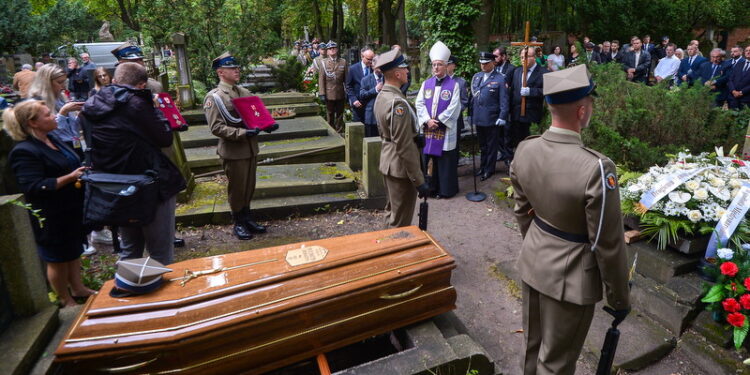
(690, 61)
(713, 73)
(747, 64)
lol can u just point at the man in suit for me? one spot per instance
(371, 86)
(592, 57)
(489, 103)
(647, 46)
(451, 67)
(331, 79)
(615, 54)
(532, 91)
(354, 82)
(714, 75)
(691, 63)
(572, 231)
(399, 158)
(502, 63)
(637, 62)
(739, 83)
(735, 56)
(604, 54)
(238, 146)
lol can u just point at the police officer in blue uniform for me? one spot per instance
(490, 107)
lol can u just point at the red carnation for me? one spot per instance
(731, 305)
(736, 319)
(747, 283)
(739, 162)
(745, 301)
(729, 269)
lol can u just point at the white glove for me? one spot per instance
(500, 122)
(525, 91)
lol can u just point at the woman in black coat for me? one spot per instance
(46, 169)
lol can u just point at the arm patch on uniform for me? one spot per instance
(399, 110)
(611, 181)
(208, 104)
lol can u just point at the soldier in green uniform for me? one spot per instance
(568, 210)
(399, 156)
(331, 78)
(238, 146)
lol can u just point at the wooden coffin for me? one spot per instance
(258, 310)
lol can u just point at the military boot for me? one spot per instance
(240, 230)
(250, 224)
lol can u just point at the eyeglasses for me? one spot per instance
(102, 75)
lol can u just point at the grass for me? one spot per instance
(289, 141)
(205, 193)
(513, 287)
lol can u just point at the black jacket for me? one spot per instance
(128, 134)
(535, 100)
(37, 168)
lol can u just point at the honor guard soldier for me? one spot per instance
(238, 146)
(489, 104)
(399, 158)
(568, 210)
(331, 78)
(129, 52)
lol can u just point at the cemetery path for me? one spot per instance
(480, 236)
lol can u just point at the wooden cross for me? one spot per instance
(526, 44)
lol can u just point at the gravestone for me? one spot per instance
(30, 319)
(185, 86)
(372, 179)
(355, 132)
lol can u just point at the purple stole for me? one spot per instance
(434, 139)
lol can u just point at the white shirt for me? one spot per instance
(449, 117)
(485, 76)
(364, 68)
(637, 56)
(558, 61)
(667, 67)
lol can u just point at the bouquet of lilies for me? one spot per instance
(689, 195)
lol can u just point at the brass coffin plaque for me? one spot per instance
(306, 255)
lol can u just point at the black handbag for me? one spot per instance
(120, 199)
(112, 199)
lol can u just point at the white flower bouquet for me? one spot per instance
(686, 197)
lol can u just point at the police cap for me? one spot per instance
(485, 57)
(568, 85)
(224, 61)
(127, 51)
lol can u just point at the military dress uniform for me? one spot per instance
(331, 80)
(237, 148)
(568, 210)
(490, 105)
(399, 156)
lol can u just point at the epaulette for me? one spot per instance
(597, 154)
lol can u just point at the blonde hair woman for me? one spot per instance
(46, 169)
(48, 86)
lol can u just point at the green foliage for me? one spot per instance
(34, 212)
(453, 28)
(637, 125)
(289, 74)
(664, 229)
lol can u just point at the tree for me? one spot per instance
(454, 29)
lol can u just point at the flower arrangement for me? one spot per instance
(729, 298)
(704, 186)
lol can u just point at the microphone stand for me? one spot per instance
(474, 196)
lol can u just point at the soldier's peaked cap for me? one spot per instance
(568, 85)
(391, 59)
(225, 61)
(485, 57)
(332, 44)
(127, 51)
(139, 276)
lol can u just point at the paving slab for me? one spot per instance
(673, 305)
(642, 342)
(44, 363)
(205, 159)
(303, 127)
(713, 332)
(25, 339)
(661, 265)
(197, 117)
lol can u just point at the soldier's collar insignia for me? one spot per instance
(611, 181)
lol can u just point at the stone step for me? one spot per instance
(197, 117)
(673, 304)
(710, 358)
(661, 265)
(271, 208)
(205, 159)
(303, 127)
(642, 342)
(713, 332)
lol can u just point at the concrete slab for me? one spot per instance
(303, 127)
(661, 265)
(44, 363)
(713, 332)
(673, 305)
(205, 159)
(353, 135)
(372, 178)
(642, 342)
(710, 358)
(197, 117)
(282, 98)
(271, 208)
(25, 339)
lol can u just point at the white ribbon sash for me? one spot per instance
(662, 188)
(731, 219)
